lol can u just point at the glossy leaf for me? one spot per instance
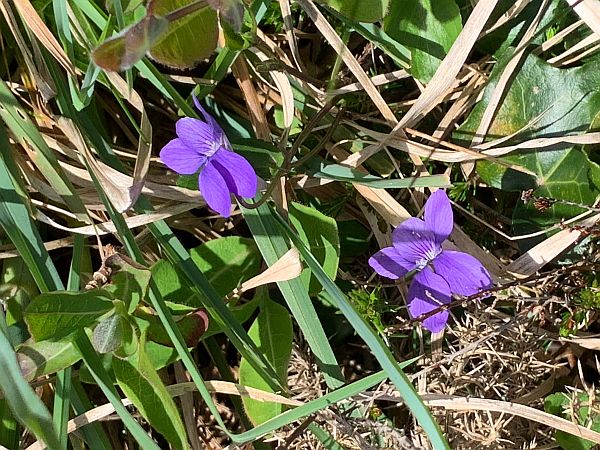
(56, 315)
(187, 40)
(542, 101)
(142, 385)
(320, 234)
(272, 332)
(428, 28)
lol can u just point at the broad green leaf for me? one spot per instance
(542, 101)
(122, 51)
(188, 40)
(26, 406)
(428, 28)
(55, 315)
(42, 358)
(320, 234)
(111, 333)
(361, 10)
(142, 385)
(272, 333)
(129, 280)
(192, 326)
(264, 156)
(226, 262)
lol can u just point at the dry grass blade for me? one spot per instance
(217, 387)
(132, 222)
(445, 76)
(506, 76)
(257, 115)
(457, 403)
(286, 268)
(120, 189)
(340, 48)
(43, 34)
(589, 12)
(544, 252)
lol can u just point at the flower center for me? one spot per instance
(429, 256)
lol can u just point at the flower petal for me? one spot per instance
(218, 132)
(197, 135)
(464, 273)
(390, 264)
(428, 291)
(214, 190)
(239, 175)
(438, 216)
(181, 158)
(414, 241)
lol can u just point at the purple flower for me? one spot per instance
(203, 145)
(417, 246)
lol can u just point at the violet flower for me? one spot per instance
(417, 246)
(203, 146)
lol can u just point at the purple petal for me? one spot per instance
(427, 292)
(217, 130)
(438, 216)
(239, 175)
(464, 273)
(414, 241)
(214, 190)
(390, 264)
(197, 135)
(182, 159)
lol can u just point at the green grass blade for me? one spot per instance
(62, 392)
(24, 403)
(273, 245)
(377, 346)
(95, 437)
(17, 223)
(27, 134)
(103, 380)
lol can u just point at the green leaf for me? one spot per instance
(227, 262)
(320, 234)
(42, 358)
(361, 10)
(264, 156)
(129, 280)
(560, 404)
(23, 401)
(122, 51)
(55, 315)
(428, 28)
(273, 245)
(142, 385)
(542, 101)
(272, 333)
(192, 327)
(110, 333)
(188, 40)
